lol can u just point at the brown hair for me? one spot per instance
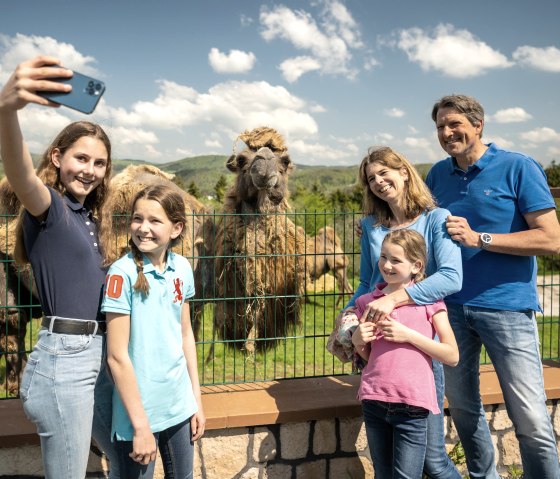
(50, 175)
(466, 105)
(172, 203)
(414, 247)
(417, 197)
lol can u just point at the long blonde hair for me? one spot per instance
(50, 175)
(174, 207)
(416, 199)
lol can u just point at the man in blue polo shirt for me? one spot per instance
(503, 215)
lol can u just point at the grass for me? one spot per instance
(302, 354)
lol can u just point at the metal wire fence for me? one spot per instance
(268, 289)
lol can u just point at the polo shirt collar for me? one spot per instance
(480, 164)
(74, 204)
(170, 264)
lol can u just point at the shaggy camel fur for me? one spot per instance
(17, 288)
(324, 253)
(259, 268)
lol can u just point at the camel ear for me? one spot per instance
(231, 163)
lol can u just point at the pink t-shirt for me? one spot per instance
(400, 372)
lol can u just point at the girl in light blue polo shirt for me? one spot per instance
(151, 348)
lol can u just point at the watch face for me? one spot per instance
(486, 238)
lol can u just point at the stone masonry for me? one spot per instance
(330, 449)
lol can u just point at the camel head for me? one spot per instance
(262, 172)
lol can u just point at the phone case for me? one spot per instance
(86, 93)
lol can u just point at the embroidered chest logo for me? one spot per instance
(488, 192)
(178, 290)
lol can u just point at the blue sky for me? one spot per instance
(185, 78)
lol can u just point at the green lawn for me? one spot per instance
(302, 355)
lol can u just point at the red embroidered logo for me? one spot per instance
(178, 293)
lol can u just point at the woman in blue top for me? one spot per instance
(151, 348)
(395, 197)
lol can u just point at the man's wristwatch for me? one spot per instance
(486, 240)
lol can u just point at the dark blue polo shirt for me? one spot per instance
(64, 253)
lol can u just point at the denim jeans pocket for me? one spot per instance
(74, 343)
(416, 412)
(27, 378)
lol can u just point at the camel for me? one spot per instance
(323, 254)
(258, 279)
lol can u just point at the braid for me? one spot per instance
(141, 284)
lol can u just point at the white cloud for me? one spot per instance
(383, 137)
(422, 150)
(19, 48)
(231, 105)
(40, 125)
(510, 115)
(245, 20)
(316, 153)
(236, 61)
(540, 135)
(134, 143)
(454, 52)
(215, 144)
(327, 42)
(412, 130)
(546, 59)
(394, 112)
(293, 68)
(370, 63)
(500, 141)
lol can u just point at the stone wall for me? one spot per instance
(334, 449)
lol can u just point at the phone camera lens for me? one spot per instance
(97, 87)
(90, 83)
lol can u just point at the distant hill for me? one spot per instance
(206, 169)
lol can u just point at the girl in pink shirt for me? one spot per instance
(397, 387)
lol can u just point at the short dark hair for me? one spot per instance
(467, 105)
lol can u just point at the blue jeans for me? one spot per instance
(57, 390)
(437, 464)
(396, 435)
(175, 447)
(511, 340)
(103, 416)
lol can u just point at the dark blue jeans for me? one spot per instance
(175, 447)
(396, 435)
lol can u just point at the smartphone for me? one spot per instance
(86, 92)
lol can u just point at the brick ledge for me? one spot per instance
(254, 404)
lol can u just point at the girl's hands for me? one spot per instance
(144, 446)
(198, 423)
(394, 331)
(30, 77)
(364, 334)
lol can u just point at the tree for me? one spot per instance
(220, 188)
(553, 174)
(193, 189)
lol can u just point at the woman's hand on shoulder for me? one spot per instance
(379, 309)
(30, 77)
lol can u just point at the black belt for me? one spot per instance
(74, 326)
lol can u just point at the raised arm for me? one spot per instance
(20, 89)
